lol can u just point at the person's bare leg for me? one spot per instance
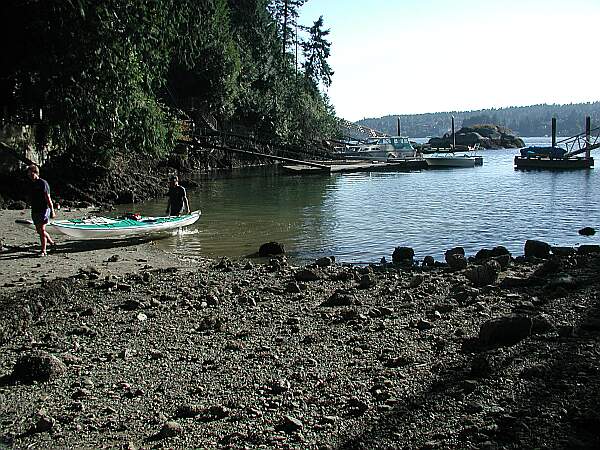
(41, 229)
(49, 239)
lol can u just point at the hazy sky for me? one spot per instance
(417, 56)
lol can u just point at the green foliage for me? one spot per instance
(113, 75)
(316, 51)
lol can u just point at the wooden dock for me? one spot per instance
(402, 165)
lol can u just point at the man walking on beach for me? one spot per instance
(177, 198)
(42, 208)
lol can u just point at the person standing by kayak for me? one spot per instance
(42, 208)
(178, 200)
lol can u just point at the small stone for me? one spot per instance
(289, 424)
(306, 275)
(423, 325)
(367, 281)
(325, 261)
(80, 393)
(170, 429)
(187, 411)
(131, 305)
(416, 281)
(280, 386)
(44, 423)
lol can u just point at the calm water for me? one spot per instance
(362, 217)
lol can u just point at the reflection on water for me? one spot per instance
(362, 216)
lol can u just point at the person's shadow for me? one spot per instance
(11, 253)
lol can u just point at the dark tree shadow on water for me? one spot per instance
(551, 403)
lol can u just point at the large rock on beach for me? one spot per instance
(271, 249)
(484, 274)
(403, 255)
(486, 253)
(536, 249)
(505, 331)
(38, 366)
(587, 249)
(455, 257)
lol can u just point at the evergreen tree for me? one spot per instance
(316, 51)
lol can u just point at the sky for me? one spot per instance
(417, 56)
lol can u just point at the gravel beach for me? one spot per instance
(127, 347)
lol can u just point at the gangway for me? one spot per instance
(582, 143)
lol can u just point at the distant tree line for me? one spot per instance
(523, 120)
(113, 75)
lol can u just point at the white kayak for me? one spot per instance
(106, 227)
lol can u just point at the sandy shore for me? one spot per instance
(21, 266)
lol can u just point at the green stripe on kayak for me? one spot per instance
(122, 223)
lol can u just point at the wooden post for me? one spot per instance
(398, 126)
(588, 132)
(553, 132)
(453, 136)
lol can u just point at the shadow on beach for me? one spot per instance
(9, 253)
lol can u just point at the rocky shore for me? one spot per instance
(488, 351)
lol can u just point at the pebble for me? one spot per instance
(170, 429)
(289, 424)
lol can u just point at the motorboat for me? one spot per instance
(453, 160)
(380, 149)
(130, 225)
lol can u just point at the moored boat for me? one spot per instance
(452, 160)
(121, 227)
(380, 149)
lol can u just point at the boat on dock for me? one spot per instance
(562, 155)
(385, 148)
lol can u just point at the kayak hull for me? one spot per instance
(107, 228)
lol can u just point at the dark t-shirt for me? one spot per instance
(39, 189)
(176, 195)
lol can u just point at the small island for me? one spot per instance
(487, 136)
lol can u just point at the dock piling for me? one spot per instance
(588, 132)
(553, 132)
(453, 135)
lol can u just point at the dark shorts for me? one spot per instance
(40, 217)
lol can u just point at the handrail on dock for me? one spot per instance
(582, 142)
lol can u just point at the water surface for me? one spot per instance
(363, 216)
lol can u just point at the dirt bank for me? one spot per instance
(220, 354)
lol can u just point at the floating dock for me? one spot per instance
(403, 165)
(558, 158)
(539, 163)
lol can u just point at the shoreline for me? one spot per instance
(21, 266)
(173, 353)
